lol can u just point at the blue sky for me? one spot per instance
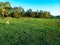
(52, 6)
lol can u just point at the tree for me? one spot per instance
(0, 12)
(46, 14)
(29, 13)
(7, 4)
(15, 12)
(37, 15)
(7, 11)
(41, 14)
(23, 13)
(5, 8)
(18, 12)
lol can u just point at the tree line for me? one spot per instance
(6, 10)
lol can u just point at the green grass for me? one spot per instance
(30, 31)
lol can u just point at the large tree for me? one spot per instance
(29, 13)
(46, 14)
(5, 7)
(18, 12)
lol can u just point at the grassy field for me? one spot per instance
(30, 31)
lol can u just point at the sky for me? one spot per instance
(53, 6)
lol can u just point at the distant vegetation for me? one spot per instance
(7, 11)
(57, 17)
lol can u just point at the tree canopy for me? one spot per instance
(6, 10)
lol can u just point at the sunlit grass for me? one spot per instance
(30, 31)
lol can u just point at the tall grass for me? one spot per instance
(30, 31)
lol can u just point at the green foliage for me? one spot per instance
(7, 11)
(30, 31)
(29, 13)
